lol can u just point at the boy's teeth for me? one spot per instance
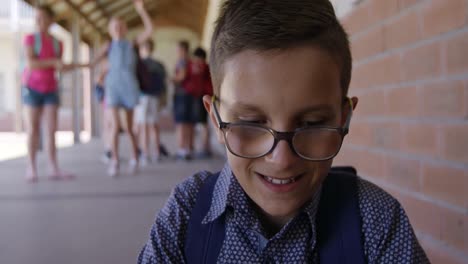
(279, 181)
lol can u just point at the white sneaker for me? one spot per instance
(113, 169)
(143, 160)
(133, 167)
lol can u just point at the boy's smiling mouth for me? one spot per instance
(280, 183)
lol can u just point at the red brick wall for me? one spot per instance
(410, 130)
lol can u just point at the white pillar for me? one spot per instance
(76, 89)
(14, 15)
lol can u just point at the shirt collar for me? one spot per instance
(220, 195)
(228, 193)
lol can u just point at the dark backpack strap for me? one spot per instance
(339, 234)
(203, 241)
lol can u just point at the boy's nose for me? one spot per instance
(282, 155)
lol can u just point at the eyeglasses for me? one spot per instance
(314, 143)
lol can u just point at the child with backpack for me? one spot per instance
(197, 85)
(183, 104)
(40, 93)
(151, 101)
(123, 82)
(281, 72)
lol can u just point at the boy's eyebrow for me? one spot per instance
(322, 108)
(239, 107)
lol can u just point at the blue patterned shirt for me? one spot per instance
(388, 236)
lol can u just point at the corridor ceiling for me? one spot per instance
(94, 15)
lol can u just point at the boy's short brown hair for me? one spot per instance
(278, 25)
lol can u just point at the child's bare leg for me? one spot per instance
(191, 137)
(157, 140)
(114, 132)
(33, 118)
(205, 135)
(129, 125)
(180, 133)
(50, 118)
(145, 140)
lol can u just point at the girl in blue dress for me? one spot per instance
(122, 87)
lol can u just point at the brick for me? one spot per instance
(443, 16)
(424, 216)
(403, 31)
(422, 62)
(358, 19)
(371, 164)
(403, 4)
(371, 104)
(359, 133)
(443, 99)
(382, 9)
(420, 139)
(368, 44)
(383, 71)
(439, 254)
(359, 77)
(404, 173)
(466, 100)
(457, 54)
(446, 184)
(455, 143)
(403, 102)
(367, 163)
(386, 135)
(454, 229)
(344, 156)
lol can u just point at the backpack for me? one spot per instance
(198, 84)
(339, 238)
(142, 73)
(38, 45)
(157, 79)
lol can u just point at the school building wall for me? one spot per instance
(409, 133)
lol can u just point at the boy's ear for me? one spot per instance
(355, 101)
(210, 110)
(347, 110)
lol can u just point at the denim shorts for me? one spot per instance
(38, 99)
(184, 108)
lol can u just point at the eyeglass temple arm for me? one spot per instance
(348, 118)
(218, 117)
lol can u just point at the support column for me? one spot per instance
(87, 95)
(76, 89)
(14, 25)
(96, 118)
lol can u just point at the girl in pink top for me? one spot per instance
(40, 92)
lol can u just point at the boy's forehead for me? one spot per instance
(306, 73)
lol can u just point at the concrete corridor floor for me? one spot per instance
(92, 219)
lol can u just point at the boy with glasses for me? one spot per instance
(281, 72)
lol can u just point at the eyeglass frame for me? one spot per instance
(288, 135)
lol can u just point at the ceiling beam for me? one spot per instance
(119, 6)
(84, 16)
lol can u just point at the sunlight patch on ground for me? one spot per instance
(13, 145)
